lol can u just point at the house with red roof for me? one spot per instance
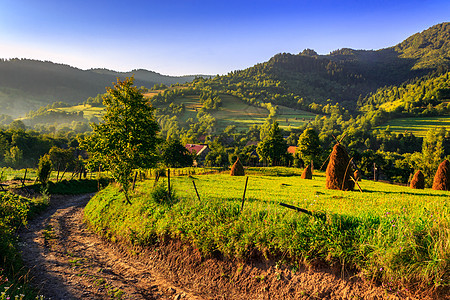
(199, 150)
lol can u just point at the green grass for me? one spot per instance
(390, 233)
(240, 114)
(88, 110)
(418, 126)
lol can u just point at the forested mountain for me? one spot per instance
(345, 75)
(306, 80)
(29, 84)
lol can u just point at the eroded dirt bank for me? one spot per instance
(67, 261)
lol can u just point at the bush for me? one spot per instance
(44, 169)
(160, 194)
(14, 213)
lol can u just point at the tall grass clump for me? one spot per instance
(391, 234)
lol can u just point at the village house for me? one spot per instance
(200, 151)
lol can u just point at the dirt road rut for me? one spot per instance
(67, 261)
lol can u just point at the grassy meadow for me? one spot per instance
(238, 113)
(418, 126)
(233, 112)
(88, 110)
(392, 234)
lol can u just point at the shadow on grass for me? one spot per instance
(406, 193)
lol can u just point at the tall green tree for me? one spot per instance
(273, 148)
(309, 145)
(127, 137)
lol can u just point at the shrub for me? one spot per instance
(44, 169)
(160, 194)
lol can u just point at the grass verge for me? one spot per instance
(391, 234)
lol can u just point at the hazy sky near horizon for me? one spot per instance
(200, 36)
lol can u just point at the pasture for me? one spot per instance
(88, 110)
(390, 234)
(417, 125)
(238, 113)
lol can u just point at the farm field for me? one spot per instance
(388, 233)
(418, 126)
(238, 113)
(88, 110)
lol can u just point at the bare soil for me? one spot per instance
(67, 261)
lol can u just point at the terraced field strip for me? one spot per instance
(417, 126)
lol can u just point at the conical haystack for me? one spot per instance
(237, 169)
(442, 177)
(418, 181)
(339, 170)
(357, 175)
(307, 173)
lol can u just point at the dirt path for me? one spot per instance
(67, 261)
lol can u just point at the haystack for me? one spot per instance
(307, 173)
(339, 170)
(237, 169)
(357, 175)
(442, 178)
(418, 181)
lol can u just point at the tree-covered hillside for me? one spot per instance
(29, 84)
(343, 76)
(429, 49)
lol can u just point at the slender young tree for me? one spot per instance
(127, 137)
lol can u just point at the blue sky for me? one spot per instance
(200, 36)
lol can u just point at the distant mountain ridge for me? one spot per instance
(344, 76)
(29, 84)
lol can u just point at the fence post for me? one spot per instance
(168, 181)
(198, 196)
(134, 180)
(243, 197)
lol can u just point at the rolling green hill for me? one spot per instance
(233, 112)
(29, 84)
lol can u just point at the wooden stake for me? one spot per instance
(342, 138)
(24, 177)
(345, 174)
(243, 197)
(351, 177)
(198, 196)
(23, 182)
(326, 160)
(168, 181)
(134, 180)
(374, 172)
